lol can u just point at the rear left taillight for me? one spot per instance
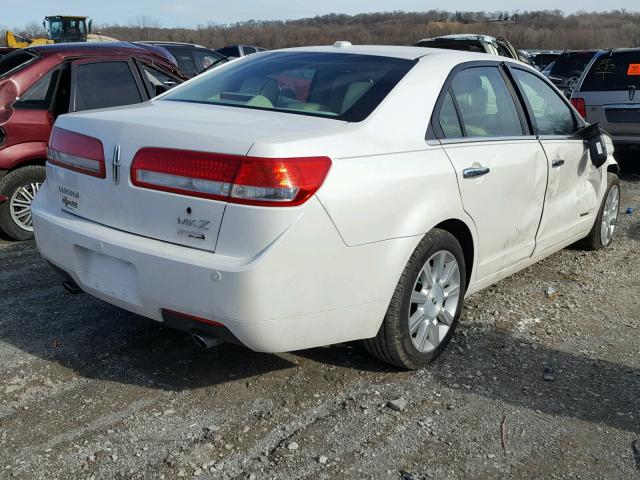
(580, 106)
(76, 152)
(232, 178)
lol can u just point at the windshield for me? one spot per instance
(571, 64)
(64, 29)
(336, 85)
(615, 71)
(15, 60)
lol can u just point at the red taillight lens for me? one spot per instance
(232, 178)
(76, 152)
(581, 107)
(197, 174)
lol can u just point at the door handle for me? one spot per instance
(557, 163)
(474, 172)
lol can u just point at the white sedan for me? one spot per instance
(312, 196)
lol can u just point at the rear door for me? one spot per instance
(501, 168)
(574, 183)
(611, 93)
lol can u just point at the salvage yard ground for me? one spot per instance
(533, 386)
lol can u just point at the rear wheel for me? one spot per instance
(20, 187)
(426, 304)
(601, 234)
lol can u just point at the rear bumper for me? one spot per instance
(306, 289)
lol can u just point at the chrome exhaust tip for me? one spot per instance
(71, 287)
(205, 341)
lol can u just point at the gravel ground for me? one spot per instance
(531, 387)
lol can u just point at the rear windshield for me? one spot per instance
(334, 85)
(571, 64)
(615, 71)
(14, 61)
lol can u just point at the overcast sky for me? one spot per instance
(190, 13)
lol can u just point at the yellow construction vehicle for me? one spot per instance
(60, 29)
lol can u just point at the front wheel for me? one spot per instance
(20, 187)
(601, 234)
(426, 305)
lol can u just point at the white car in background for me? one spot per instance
(318, 195)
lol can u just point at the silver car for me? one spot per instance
(608, 93)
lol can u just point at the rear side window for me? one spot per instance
(104, 84)
(552, 115)
(229, 51)
(485, 103)
(334, 85)
(448, 118)
(248, 50)
(615, 71)
(40, 95)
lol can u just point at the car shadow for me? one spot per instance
(500, 366)
(99, 341)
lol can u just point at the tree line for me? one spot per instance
(529, 29)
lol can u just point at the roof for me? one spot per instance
(408, 53)
(163, 43)
(88, 48)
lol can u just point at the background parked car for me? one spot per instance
(608, 93)
(568, 68)
(5, 50)
(38, 84)
(543, 59)
(474, 43)
(191, 58)
(237, 51)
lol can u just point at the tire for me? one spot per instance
(594, 241)
(395, 342)
(30, 178)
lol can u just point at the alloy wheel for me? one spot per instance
(20, 205)
(434, 301)
(610, 215)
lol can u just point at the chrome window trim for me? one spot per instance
(512, 138)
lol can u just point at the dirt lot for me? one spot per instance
(532, 387)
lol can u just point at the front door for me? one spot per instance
(571, 202)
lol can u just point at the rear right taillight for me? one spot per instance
(580, 106)
(233, 178)
(76, 152)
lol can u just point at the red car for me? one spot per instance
(39, 83)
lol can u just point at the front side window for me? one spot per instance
(333, 85)
(104, 84)
(485, 103)
(40, 94)
(552, 115)
(157, 81)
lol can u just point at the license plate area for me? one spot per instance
(111, 276)
(623, 115)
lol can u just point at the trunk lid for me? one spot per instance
(179, 219)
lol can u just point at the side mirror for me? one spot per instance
(90, 25)
(593, 138)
